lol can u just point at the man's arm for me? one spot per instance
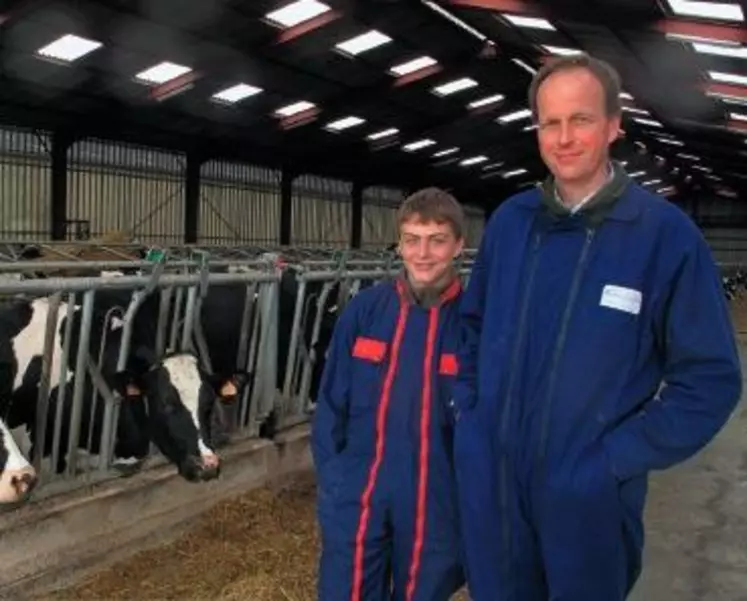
(702, 376)
(328, 425)
(471, 310)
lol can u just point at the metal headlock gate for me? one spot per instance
(292, 299)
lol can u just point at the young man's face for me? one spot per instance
(428, 250)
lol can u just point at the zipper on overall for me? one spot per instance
(505, 517)
(562, 335)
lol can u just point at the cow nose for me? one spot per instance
(24, 482)
(210, 468)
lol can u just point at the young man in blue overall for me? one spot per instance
(382, 432)
(598, 347)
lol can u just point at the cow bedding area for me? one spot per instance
(261, 546)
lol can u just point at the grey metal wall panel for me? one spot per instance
(727, 245)
(25, 184)
(474, 225)
(239, 204)
(379, 228)
(322, 212)
(127, 188)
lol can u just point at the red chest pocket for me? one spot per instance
(369, 349)
(448, 365)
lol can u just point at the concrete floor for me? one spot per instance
(696, 522)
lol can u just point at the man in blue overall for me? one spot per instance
(597, 347)
(383, 429)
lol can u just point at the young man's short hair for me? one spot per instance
(604, 73)
(433, 204)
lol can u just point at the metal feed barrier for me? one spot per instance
(322, 282)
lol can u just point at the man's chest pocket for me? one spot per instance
(368, 371)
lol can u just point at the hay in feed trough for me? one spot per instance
(262, 546)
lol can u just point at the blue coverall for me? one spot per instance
(572, 324)
(382, 446)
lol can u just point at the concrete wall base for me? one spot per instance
(58, 540)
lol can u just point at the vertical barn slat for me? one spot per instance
(239, 204)
(380, 216)
(25, 184)
(322, 212)
(132, 189)
(474, 218)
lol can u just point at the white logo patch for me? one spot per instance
(622, 299)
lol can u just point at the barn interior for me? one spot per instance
(184, 137)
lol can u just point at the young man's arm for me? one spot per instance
(703, 379)
(330, 416)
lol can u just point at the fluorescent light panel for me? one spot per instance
(413, 65)
(384, 133)
(418, 144)
(162, 72)
(297, 12)
(683, 37)
(723, 11)
(651, 182)
(69, 48)
(344, 123)
(361, 43)
(690, 157)
(671, 142)
(515, 116)
(626, 96)
(445, 152)
(237, 92)
(529, 22)
(728, 78)
(452, 87)
(524, 66)
(293, 109)
(562, 51)
(487, 100)
(631, 109)
(738, 116)
(473, 160)
(514, 173)
(637, 174)
(648, 122)
(718, 50)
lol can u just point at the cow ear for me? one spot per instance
(241, 379)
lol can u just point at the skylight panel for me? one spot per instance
(671, 142)
(562, 51)
(650, 122)
(445, 152)
(738, 116)
(361, 43)
(293, 109)
(724, 11)
(162, 73)
(413, 65)
(529, 22)
(514, 173)
(473, 160)
(515, 116)
(418, 145)
(384, 133)
(728, 78)
(344, 123)
(720, 50)
(236, 93)
(524, 66)
(452, 87)
(485, 101)
(69, 48)
(296, 12)
(631, 109)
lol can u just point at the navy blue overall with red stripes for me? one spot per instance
(382, 445)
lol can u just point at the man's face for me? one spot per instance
(427, 250)
(574, 129)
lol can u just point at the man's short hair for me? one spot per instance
(605, 73)
(432, 204)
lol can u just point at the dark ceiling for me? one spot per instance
(696, 145)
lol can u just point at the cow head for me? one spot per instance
(17, 476)
(180, 398)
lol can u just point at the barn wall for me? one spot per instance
(321, 212)
(474, 226)
(727, 245)
(25, 185)
(379, 216)
(239, 204)
(54, 542)
(127, 188)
